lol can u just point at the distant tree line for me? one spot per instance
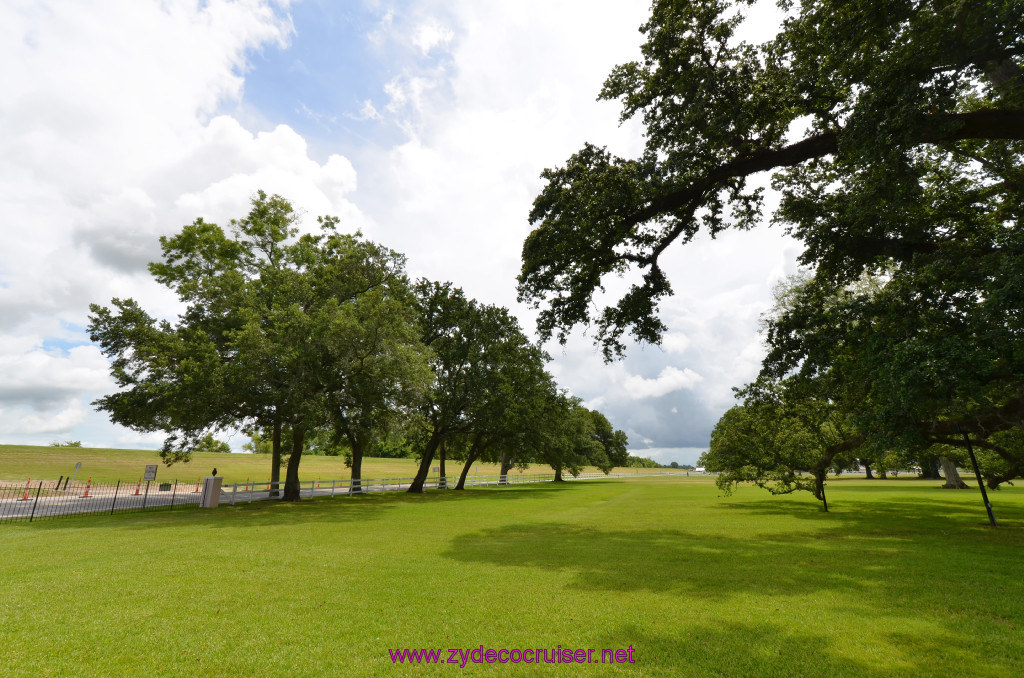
(644, 462)
(320, 344)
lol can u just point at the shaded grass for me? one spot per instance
(902, 580)
(21, 462)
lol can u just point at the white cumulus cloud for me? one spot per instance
(430, 35)
(668, 380)
(112, 133)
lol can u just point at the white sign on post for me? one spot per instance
(150, 472)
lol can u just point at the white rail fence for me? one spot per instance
(308, 489)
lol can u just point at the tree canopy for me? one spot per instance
(481, 360)
(850, 102)
(278, 331)
(893, 132)
(320, 341)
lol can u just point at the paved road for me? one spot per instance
(51, 503)
(107, 499)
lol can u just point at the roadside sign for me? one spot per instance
(437, 469)
(150, 472)
(77, 466)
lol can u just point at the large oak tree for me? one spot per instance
(847, 88)
(893, 132)
(279, 332)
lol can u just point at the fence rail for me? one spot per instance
(48, 499)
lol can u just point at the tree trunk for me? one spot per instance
(471, 456)
(291, 482)
(356, 484)
(442, 480)
(506, 466)
(428, 456)
(558, 475)
(930, 468)
(819, 488)
(465, 472)
(953, 479)
(275, 457)
(867, 472)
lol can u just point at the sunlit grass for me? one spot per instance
(900, 579)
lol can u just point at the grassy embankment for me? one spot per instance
(901, 579)
(18, 463)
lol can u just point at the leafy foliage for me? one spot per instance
(319, 344)
(210, 444)
(848, 94)
(893, 132)
(644, 462)
(279, 333)
(486, 373)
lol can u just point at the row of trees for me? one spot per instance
(323, 337)
(894, 137)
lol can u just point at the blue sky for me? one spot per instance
(319, 82)
(423, 123)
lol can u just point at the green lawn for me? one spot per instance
(901, 579)
(18, 463)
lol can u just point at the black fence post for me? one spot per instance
(118, 487)
(173, 493)
(145, 496)
(38, 490)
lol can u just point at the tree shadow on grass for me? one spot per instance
(711, 647)
(859, 550)
(665, 560)
(876, 579)
(928, 512)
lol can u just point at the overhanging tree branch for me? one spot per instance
(979, 125)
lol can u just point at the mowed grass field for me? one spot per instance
(18, 463)
(900, 579)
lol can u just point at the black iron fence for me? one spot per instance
(48, 499)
